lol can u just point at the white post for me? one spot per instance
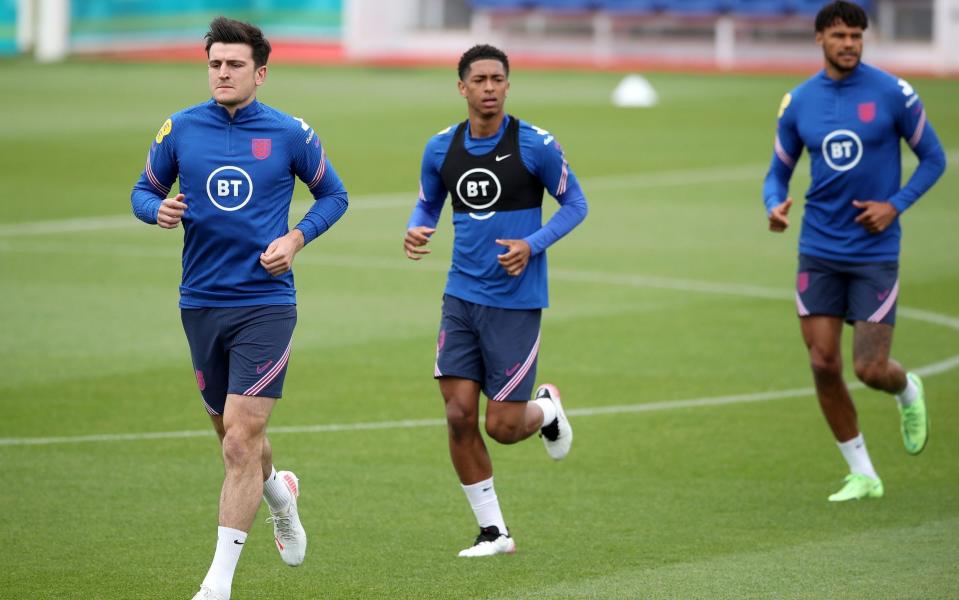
(725, 42)
(603, 36)
(432, 14)
(372, 27)
(53, 30)
(945, 34)
(24, 25)
(886, 11)
(481, 25)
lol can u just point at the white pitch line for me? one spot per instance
(386, 200)
(400, 199)
(638, 281)
(927, 370)
(68, 225)
(669, 283)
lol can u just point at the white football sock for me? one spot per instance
(276, 493)
(485, 505)
(548, 408)
(908, 395)
(229, 544)
(856, 455)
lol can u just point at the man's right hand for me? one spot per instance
(777, 216)
(171, 212)
(415, 239)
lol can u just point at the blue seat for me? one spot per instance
(501, 5)
(759, 8)
(696, 7)
(565, 5)
(811, 7)
(806, 7)
(630, 7)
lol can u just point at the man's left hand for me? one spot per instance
(278, 257)
(876, 216)
(516, 258)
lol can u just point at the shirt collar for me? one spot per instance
(242, 114)
(849, 79)
(502, 128)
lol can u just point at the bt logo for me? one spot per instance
(479, 189)
(842, 149)
(229, 188)
(473, 188)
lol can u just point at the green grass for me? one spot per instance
(720, 501)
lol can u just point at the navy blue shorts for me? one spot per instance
(239, 350)
(851, 291)
(496, 347)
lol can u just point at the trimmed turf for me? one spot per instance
(671, 290)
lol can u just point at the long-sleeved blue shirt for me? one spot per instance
(851, 129)
(237, 176)
(475, 274)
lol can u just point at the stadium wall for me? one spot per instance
(564, 33)
(416, 32)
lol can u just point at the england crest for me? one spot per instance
(262, 148)
(867, 111)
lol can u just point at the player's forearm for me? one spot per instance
(776, 185)
(145, 203)
(425, 214)
(571, 213)
(326, 211)
(932, 164)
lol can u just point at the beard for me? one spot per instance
(842, 68)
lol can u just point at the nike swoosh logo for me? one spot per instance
(509, 372)
(238, 542)
(883, 295)
(504, 157)
(264, 367)
(487, 489)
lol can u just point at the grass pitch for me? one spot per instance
(671, 291)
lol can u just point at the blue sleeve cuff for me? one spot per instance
(424, 215)
(771, 203)
(571, 213)
(326, 211)
(146, 209)
(308, 230)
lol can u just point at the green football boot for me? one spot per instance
(915, 420)
(858, 487)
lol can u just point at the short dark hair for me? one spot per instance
(481, 52)
(849, 13)
(230, 31)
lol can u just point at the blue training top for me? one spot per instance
(475, 274)
(237, 176)
(851, 130)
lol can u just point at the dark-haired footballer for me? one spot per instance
(237, 161)
(495, 169)
(850, 118)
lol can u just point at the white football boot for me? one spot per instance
(288, 532)
(206, 593)
(558, 435)
(490, 542)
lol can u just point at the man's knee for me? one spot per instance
(503, 431)
(825, 364)
(871, 372)
(462, 417)
(241, 446)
